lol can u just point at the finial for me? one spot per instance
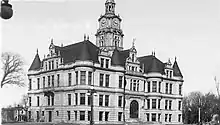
(175, 58)
(52, 41)
(37, 50)
(44, 56)
(84, 36)
(88, 37)
(169, 61)
(61, 44)
(134, 39)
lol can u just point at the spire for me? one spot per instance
(176, 69)
(84, 37)
(134, 39)
(51, 41)
(88, 37)
(36, 64)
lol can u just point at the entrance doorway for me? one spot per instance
(134, 109)
(50, 116)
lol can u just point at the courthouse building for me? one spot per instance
(118, 84)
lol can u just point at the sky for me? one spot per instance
(187, 29)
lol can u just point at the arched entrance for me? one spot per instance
(134, 109)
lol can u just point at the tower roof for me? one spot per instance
(84, 52)
(151, 64)
(176, 69)
(119, 57)
(36, 64)
(110, 1)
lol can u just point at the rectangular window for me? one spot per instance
(179, 106)
(89, 78)
(38, 83)
(76, 98)
(154, 102)
(38, 116)
(52, 100)
(170, 105)
(48, 77)
(68, 115)
(69, 78)
(120, 81)
(153, 117)
(89, 115)
(134, 85)
(131, 84)
(179, 118)
(158, 118)
(48, 100)
(106, 116)
(29, 113)
(100, 100)
(49, 65)
(82, 77)
(106, 80)
(159, 100)
(148, 86)
(29, 101)
(180, 89)
(119, 101)
(171, 87)
(52, 63)
(119, 116)
(144, 85)
(75, 112)
(170, 74)
(166, 104)
(154, 87)
(102, 62)
(57, 112)
(159, 87)
(100, 116)
(167, 73)
(43, 82)
(38, 101)
(148, 116)
(30, 84)
(166, 90)
(82, 115)
(89, 99)
(148, 103)
(58, 80)
(106, 100)
(76, 77)
(52, 80)
(57, 65)
(82, 98)
(166, 117)
(107, 63)
(69, 99)
(42, 113)
(170, 117)
(101, 80)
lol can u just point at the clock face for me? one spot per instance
(103, 23)
(115, 23)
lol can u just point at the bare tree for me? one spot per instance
(12, 69)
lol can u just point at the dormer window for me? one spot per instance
(107, 63)
(169, 73)
(102, 62)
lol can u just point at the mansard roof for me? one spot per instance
(176, 69)
(36, 64)
(151, 64)
(119, 57)
(84, 50)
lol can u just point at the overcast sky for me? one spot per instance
(187, 29)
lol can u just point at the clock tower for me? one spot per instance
(109, 34)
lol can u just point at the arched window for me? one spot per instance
(132, 57)
(134, 109)
(101, 43)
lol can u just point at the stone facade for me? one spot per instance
(127, 87)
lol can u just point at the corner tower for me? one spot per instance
(109, 34)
